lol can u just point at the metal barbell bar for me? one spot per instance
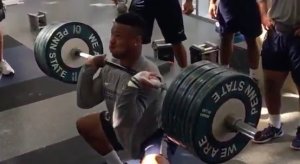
(240, 126)
(115, 65)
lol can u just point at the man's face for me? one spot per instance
(122, 40)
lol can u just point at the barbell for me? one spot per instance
(208, 109)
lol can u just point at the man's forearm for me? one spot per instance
(263, 7)
(213, 1)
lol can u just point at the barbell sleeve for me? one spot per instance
(84, 55)
(240, 126)
(128, 70)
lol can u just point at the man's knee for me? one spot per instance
(269, 86)
(86, 125)
(251, 43)
(81, 125)
(274, 80)
(178, 47)
(226, 38)
(154, 159)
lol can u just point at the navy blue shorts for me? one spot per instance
(281, 52)
(158, 143)
(239, 16)
(168, 15)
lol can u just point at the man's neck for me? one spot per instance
(130, 62)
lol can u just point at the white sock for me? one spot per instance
(112, 158)
(252, 73)
(275, 120)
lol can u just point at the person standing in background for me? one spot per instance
(238, 16)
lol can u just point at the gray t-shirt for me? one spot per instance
(135, 112)
(286, 12)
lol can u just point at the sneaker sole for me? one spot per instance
(294, 148)
(8, 74)
(267, 140)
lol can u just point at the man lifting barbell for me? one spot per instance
(133, 102)
(196, 112)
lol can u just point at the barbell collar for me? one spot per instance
(84, 55)
(239, 125)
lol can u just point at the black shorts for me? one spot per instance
(239, 16)
(109, 130)
(168, 15)
(281, 52)
(157, 143)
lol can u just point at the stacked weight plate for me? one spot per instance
(225, 87)
(171, 91)
(40, 47)
(182, 91)
(185, 112)
(167, 113)
(191, 104)
(54, 44)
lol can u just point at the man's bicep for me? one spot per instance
(98, 88)
(90, 91)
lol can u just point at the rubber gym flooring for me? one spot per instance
(38, 113)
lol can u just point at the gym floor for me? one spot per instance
(38, 114)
